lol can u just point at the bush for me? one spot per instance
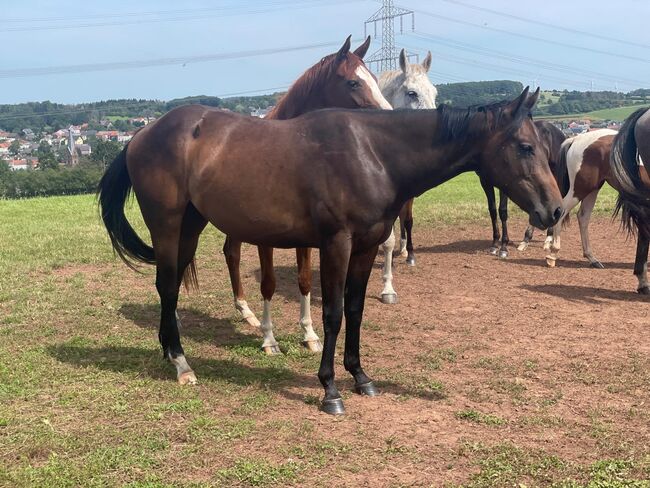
(49, 182)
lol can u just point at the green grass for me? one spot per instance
(618, 113)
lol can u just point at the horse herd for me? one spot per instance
(338, 179)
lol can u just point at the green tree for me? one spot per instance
(46, 158)
(105, 151)
(14, 147)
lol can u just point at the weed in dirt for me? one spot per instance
(479, 417)
(253, 472)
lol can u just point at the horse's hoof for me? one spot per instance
(550, 261)
(644, 290)
(596, 264)
(404, 253)
(187, 378)
(522, 246)
(252, 321)
(389, 298)
(313, 346)
(273, 350)
(503, 254)
(410, 261)
(368, 389)
(333, 406)
(493, 250)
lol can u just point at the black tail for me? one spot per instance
(561, 174)
(113, 190)
(633, 202)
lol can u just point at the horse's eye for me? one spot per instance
(412, 94)
(526, 149)
(353, 84)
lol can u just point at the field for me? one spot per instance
(493, 373)
(619, 113)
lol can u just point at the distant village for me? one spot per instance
(74, 143)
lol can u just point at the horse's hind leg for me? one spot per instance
(388, 294)
(584, 215)
(402, 233)
(166, 243)
(270, 346)
(310, 338)
(528, 235)
(641, 264)
(232, 252)
(568, 203)
(408, 225)
(503, 216)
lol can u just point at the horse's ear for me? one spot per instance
(403, 62)
(532, 100)
(345, 49)
(426, 64)
(516, 105)
(363, 48)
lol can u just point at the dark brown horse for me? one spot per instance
(630, 154)
(333, 179)
(552, 139)
(338, 80)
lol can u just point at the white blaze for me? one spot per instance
(365, 75)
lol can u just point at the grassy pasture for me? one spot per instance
(85, 399)
(618, 113)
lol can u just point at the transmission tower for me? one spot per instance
(387, 58)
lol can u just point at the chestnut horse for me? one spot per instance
(333, 179)
(583, 168)
(338, 80)
(630, 153)
(552, 139)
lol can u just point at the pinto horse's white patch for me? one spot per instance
(365, 75)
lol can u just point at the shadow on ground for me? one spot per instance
(586, 294)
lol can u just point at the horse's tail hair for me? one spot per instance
(633, 203)
(112, 192)
(561, 174)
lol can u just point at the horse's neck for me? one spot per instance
(415, 154)
(292, 106)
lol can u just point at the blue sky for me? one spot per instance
(141, 31)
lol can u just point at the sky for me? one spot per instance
(104, 50)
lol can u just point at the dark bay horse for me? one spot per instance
(339, 80)
(333, 179)
(552, 139)
(630, 153)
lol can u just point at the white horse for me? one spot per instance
(409, 87)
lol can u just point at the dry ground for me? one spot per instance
(493, 373)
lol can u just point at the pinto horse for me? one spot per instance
(583, 168)
(630, 153)
(333, 179)
(552, 139)
(338, 80)
(408, 87)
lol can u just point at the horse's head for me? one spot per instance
(515, 159)
(410, 88)
(349, 83)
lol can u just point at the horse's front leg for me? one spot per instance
(310, 339)
(488, 189)
(408, 224)
(388, 294)
(528, 235)
(334, 259)
(232, 252)
(270, 346)
(503, 215)
(355, 293)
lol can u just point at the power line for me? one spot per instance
(533, 38)
(188, 15)
(546, 24)
(86, 68)
(524, 60)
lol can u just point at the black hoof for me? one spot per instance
(493, 250)
(410, 261)
(333, 406)
(597, 265)
(503, 254)
(644, 291)
(368, 389)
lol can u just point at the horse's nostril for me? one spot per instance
(557, 214)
